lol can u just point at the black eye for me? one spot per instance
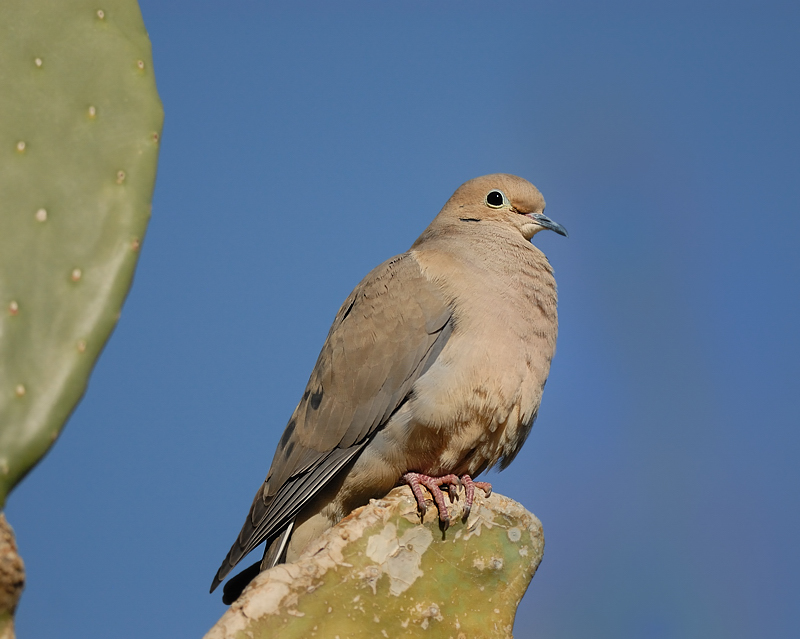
(495, 199)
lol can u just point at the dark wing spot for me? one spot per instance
(469, 219)
(316, 398)
(349, 308)
(437, 346)
(289, 450)
(287, 433)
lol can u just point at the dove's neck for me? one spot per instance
(489, 261)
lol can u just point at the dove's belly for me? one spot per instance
(494, 400)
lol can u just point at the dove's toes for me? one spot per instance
(417, 480)
(469, 489)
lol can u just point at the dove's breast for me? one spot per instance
(476, 404)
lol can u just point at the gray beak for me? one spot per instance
(545, 222)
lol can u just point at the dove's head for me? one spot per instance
(503, 198)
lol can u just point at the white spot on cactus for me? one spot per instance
(430, 612)
(21, 146)
(371, 575)
(399, 557)
(20, 390)
(82, 346)
(514, 534)
(140, 64)
(92, 112)
(41, 215)
(38, 62)
(76, 274)
(120, 177)
(13, 307)
(101, 14)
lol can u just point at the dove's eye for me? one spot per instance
(495, 199)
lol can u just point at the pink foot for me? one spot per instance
(469, 489)
(415, 480)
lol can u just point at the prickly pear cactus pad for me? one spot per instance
(80, 122)
(380, 573)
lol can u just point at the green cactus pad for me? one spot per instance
(380, 573)
(80, 124)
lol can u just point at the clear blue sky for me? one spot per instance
(304, 144)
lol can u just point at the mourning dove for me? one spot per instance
(432, 373)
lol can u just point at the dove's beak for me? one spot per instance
(546, 223)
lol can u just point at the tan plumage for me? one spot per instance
(434, 364)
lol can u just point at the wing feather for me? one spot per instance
(384, 337)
